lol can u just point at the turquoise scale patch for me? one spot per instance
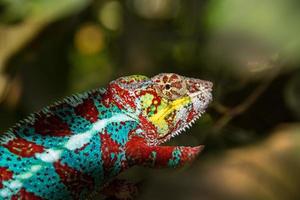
(104, 112)
(174, 161)
(45, 182)
(119, 132)
(39, 182)
(87, 160)
(77, 124)
(14, 163)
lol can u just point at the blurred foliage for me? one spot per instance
(249, 49)
(254, 32)
(41, 10)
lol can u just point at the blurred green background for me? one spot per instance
(249, 49)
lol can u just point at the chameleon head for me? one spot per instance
(168, 102)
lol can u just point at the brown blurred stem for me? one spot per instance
(230, 113)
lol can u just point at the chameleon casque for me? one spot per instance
(76, 146)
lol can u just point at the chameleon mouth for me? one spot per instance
(179, 131)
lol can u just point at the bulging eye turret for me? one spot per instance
(170, 86)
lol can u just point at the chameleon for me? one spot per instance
(79, 144)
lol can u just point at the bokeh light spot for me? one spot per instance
(156, 8)
(110, 15)
(89, 39)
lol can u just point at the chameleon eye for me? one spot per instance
(168, 87)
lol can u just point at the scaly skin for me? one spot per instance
(70, 149)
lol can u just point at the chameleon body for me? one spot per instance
(74, 147)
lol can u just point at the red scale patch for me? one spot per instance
(5, 175)
(174, 77)
(73, 179)
(140, 153)
(125, 94)
(191, 115)
(51, 125)
(108, 98)
(148, 127)
(174, 128)
(107, 148)
(24, 195)
(87, 110)
(177, 84)
(23, 147)
(165, 79)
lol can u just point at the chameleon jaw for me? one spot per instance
(184, 128)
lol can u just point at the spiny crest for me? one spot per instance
(72, 100)
(6, 137)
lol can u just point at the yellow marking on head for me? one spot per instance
(158, 119)
(146, 100)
